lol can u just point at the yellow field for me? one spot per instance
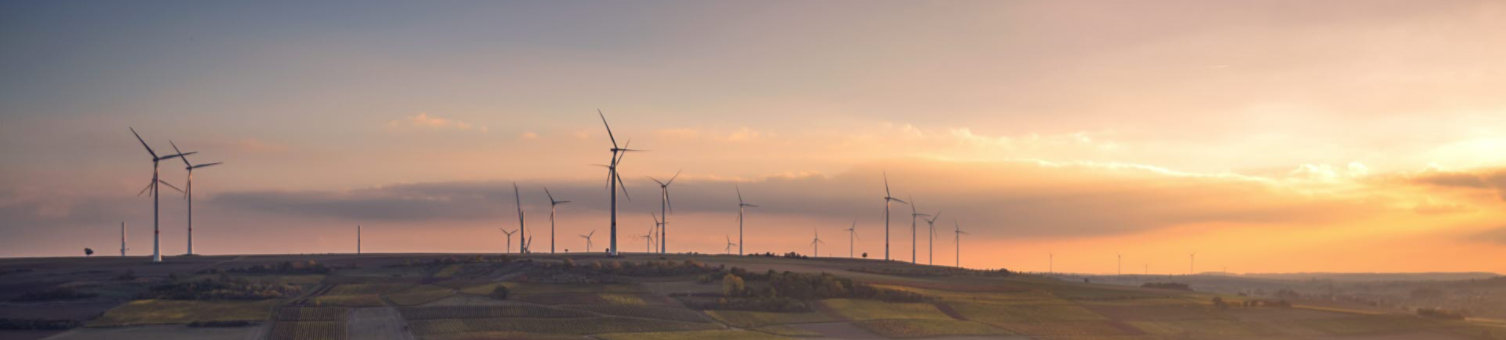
(877, 310)
(152, 312)
(748, 319)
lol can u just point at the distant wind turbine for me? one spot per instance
(914, 214)
(665, 207)
(728, 250)
(1119, 265)
(588, 239)
(957, 229)
(358, 239)
(1192, 263)
(852, 236)
(522, 228)
(888, 197)
(614, 179)
(509, 238)
(740, 205)
(189, 189)
(156, 232)
(648, 241)
(552, 204)
(816, 243)
(931, 239)
(1050, 263)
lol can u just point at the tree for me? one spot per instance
(732, 285)
(88, 252)
(865, 254)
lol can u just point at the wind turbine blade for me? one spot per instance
(886, 184)
(656, 180)
(750, 205)
(563, 202)
(180, 152)
(163, 158)
(672, 178)
(669, 203)
(170, 185)
(143, 143)
(623, 186)
(900, 201)
(144, 190)
(935, 217)
(551, 196)
(206, 165)
(739, 194)
(609, 127)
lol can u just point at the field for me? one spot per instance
(452, 297)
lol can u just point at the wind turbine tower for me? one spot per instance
(522, 228)
(740, 205)
(931, 239)
(156, 232)
(816, 243)
(914, 214)
(888, 197)
(957, 229)
(613, 179)
(122, 239)
(665, 207)
(552, 204)
(1192, 263)
(509, 238)
(852, 236)
(189, 186)
(587, 236)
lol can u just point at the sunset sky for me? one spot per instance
(1266, 136)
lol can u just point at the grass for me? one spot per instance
(1362, 325)
(367, 288)
(474, 312)
(749, 319)
(310, 330)
(877, 310)
(366, 300)
(622, 299)
(310, 314)
(786, 330)
(1207, 328)
(419, 294)
(448, 271)
(926, 328)
(582, 326)
(1047, 311)
(723, 334)
(155, 312)
(501, 335)
(649, 312)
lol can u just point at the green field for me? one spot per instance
(153, 312)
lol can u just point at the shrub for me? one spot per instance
(1167, 285)
(499, 293)
(221, 288)
(732, 285)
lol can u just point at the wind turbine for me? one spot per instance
(931, 239)
(913, 239)
(358, 239)
(740, 206)
(189, 188)
(1119, 266)
(509, 238)
(816, 243)
(852, 235)
(552, 204)
(957, 229)
(665, 207)
(156, 233)
(588, 239)
(659, 226)
(648, 241)
(522, 228)
(1192, 263)
(888, 198)
(728, 250)
(1050, 263)
(122, 239)
(613, 179)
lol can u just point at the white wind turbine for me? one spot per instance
(588, 239)
(740, 205)
(358, 239)
(522, 228)
(914, 214)
(728, 250)
(816, 243)
(658, 227)
(613, 179)
(552, 204)
(156, 232)
(509, 238)
(665, 207)
(957, 229)
(189, 189)
(852, 236)
(648, 241)
(931, 239)
(888, 198)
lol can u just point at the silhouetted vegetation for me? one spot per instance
(284, 268)
(1167, 285)
(929, 271)
(220, 288)
(213, 324)
(38, 324)
(499, 293)
(54, 294)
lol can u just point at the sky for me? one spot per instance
(1264, 136)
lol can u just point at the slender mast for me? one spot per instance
(156, 234)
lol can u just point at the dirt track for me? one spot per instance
(378, 323)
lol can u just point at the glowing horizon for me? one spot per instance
(1336, 140)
